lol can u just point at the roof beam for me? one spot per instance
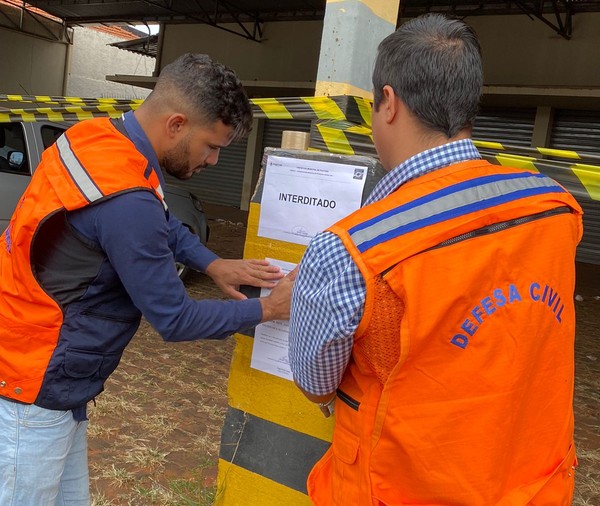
(562, 29)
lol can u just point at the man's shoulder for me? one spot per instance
(91, 123)
(326, 250)
(101, 128)
(324, 241)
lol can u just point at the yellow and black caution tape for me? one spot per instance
(343, 122)
(356, 110)
(341, 125)
(48, 99)
(343, 137)
(552, 152)
(69, 113)
(582, 180)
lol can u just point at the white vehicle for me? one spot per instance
(21, 147)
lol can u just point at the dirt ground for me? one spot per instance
(155, 431)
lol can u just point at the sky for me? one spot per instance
(144, 29)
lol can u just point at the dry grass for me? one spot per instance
(154, 433)
(587, 389)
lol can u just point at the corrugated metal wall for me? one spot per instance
(505, 125)
(579, 130)
(576, 130)
(589, 248)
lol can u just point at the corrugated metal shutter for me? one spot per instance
(221, 184)
(273, 129)
(576, 130)
(589, 248)
(506, 125)
(580, 131)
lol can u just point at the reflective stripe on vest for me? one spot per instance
(80, 177)
(155, 182)
(84, 182)
(449, 203)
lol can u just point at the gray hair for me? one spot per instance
(433, 63)
(210, 90)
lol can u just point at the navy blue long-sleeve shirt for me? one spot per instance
(142, 248)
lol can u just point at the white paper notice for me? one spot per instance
(270, 348)
(303, 197)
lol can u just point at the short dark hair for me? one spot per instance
(433, 63)
(210, 90)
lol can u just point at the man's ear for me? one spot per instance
(389, 103)
(175, 124)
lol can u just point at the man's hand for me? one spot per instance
(228, 275)
(276, 306)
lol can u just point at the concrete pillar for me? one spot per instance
(542, 129)
(352, 30)
(253, 159)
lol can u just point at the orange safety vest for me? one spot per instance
(460, 386)
(91, 162)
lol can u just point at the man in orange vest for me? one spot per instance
(438, 319)
(90, 248)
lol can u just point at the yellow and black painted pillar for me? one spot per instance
(272, 435)
(352, 30)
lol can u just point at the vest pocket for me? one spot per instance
(85, 364)
(346, 475)
(335, 479)
(84, 374)
(345, 446)
(81, 364)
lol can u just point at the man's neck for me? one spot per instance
(421, 142)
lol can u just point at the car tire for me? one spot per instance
(182, 271)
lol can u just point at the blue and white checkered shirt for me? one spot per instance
(329, 292)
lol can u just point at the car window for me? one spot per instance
(50, 134)
(13, 153)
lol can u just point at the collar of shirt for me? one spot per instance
(142, 143)
(426, 161)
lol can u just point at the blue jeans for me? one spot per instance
(43, 457)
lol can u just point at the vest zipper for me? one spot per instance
(498, 227)
(492, 229)
(104, 316)
(354, 404)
